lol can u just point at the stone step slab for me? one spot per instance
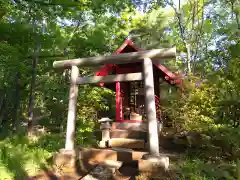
(126, 143)
(130, 126)
(131, 134)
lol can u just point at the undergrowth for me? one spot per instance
(21, 157)
(18, 158)
(198, 169)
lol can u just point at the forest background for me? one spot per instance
(34, 96)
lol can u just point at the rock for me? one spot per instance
(100, 173)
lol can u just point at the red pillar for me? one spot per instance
(118, 102)
(118, 99)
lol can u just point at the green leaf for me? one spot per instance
(208, 26)
(235, 50)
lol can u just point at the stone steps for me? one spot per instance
(118, 163)
(131, 134)
(126, 143)
(135, 126)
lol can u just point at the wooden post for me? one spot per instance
(110, 78)
(118, 101)
(150, 107)
(71, 120)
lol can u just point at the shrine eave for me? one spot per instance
(128, 46)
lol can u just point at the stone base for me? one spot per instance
(64, 158)
(138, 165)
(82, 161)
(114, 154)
(103, 144)
(162, 161)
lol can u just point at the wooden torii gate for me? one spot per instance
(146, 57)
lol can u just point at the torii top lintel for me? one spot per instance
(128, 46)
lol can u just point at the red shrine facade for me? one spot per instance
(130, 95)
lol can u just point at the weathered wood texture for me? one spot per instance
(110, 78)
(150, 107)
(72, 105)
(155, 54)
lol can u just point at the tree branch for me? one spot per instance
(55, 4)
(237, 20)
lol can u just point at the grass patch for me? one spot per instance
(18, 158)
(198, 169)
(21, 157)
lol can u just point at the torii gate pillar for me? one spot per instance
(72, 108)
(150, 107)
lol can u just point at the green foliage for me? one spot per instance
(50, 142)
(209, 108)
(148, 31)
(72, 29)
(21, 157)
(210, 101)
(18, 159)
(196, 169)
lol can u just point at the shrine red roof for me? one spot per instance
(128, 46)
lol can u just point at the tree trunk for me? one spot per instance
(15, 122)
(3, 109)
(237, 20)
(179, 15)
(31, 97)
(189, 69)
(4, 103)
